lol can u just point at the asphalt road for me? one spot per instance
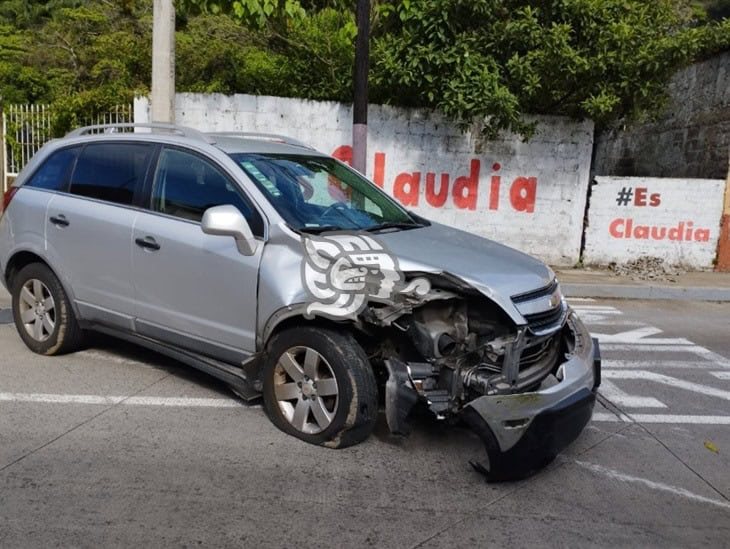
(118, 446)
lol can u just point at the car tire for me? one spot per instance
(42, 312)
(319, 386)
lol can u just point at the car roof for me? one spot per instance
(232, 144)
(228, 142)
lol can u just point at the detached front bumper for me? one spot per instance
(525, 431)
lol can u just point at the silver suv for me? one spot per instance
(288, 275)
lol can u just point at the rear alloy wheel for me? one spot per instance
(37, 310)
(42, 312)
(319, 386)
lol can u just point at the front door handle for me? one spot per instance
(147, 243)
(59, 220)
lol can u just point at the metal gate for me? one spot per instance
(26, 128)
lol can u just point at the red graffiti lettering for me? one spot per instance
(463, 190)
(379, 171)
(437, 199)
(643, 198)
(683, 231)
(523, 193)
(466, 188)
(407, 187)
(494, 188)
(614, 229)
(343, 154)
(640, 196)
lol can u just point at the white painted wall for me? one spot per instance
(676, 219)
(528, 195)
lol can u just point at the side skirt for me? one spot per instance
(243, 379)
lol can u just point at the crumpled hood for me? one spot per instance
(494, 269)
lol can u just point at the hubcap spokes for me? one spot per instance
(37, 310)
(306, 389)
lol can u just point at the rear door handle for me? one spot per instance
(59, 220)
(147, 242)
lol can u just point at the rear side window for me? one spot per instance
(111, 171)
(53, 173)
(186, 185)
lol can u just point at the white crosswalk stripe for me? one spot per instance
(634, 352)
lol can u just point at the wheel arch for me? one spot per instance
(293, 317)
(21, 258)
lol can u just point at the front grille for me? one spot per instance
(539, 358)
(546, 319)
(537, 353)
(536, 294)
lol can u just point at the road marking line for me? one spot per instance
(678, 419)
(591, 319)
(660, 486)
(689, 419)
(597, 321)
(99, 355)
(666, 380)
(125, 400)
(649, 364)
(597, 309)
(621, 398)
(605, 417)
(581, 300)
(643, 336)
(721, 375)
(716, 359)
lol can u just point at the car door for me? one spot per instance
(193, 289)
(89, 230)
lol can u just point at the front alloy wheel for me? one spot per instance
(319, 386)
(305, 389)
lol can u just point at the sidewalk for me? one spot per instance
(694, 286)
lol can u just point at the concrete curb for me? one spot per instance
(621, 291)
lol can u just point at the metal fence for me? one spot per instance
(26, 128)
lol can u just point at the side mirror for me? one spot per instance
(228, 221)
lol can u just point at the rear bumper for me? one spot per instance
(523, 432)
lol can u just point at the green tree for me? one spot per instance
(496, 60)
(487, 60)
(257, 13)
(304, 58)
(715, 9)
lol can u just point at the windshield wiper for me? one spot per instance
(405, 225)
(319, 229)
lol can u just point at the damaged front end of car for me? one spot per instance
(527, 388)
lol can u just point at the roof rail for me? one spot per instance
(171, 128)
(266, 137)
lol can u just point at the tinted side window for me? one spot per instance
(53, 173)
(186, 185)
(111, 171)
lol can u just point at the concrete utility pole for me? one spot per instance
(163, 62)
(3, 170)
(360, 77)
(723, 247)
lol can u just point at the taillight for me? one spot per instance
(7, 197)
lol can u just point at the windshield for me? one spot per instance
(316, 194)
